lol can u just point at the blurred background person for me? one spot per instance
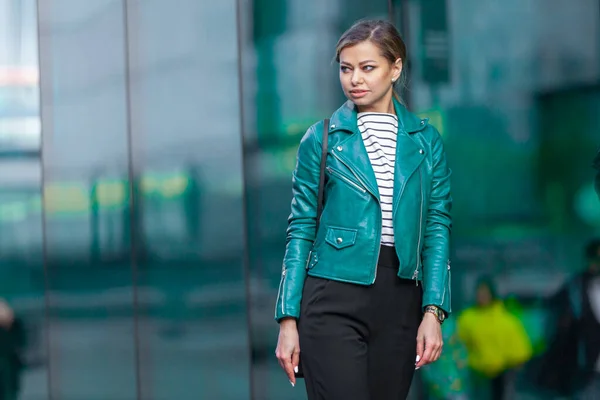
(496, 341)
(12, 343)
(597, 166)
(575, 337)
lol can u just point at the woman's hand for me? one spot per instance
(288, 348)
(429, 340)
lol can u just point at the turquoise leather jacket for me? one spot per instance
(346, 247)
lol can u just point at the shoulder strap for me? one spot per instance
(322, 175)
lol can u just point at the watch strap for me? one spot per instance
(439, 314)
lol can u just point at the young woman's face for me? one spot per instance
(366, 77)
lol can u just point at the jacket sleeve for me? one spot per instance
(436, 245)
(301, 225)
(597, 178)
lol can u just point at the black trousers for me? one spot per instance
(359, 342)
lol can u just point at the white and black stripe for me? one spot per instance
(379, 132)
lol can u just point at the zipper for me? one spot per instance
(308, 260)
(379, 247)
(281, 291)
(353, 173)
(380, 215)
(348, 181)
(416, 274)
(448, 283)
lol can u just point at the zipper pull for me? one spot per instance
(415, 276)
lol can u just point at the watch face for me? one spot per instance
(441, 316)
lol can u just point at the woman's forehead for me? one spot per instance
(360, 52)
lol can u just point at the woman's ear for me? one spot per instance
(397, 69)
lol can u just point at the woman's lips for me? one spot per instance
(358, 93)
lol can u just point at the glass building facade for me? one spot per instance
(146, 151)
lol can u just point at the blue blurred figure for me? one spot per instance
(571, 366)
(597, 166)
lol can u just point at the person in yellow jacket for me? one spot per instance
(496, 343)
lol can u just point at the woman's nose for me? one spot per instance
(356, 78)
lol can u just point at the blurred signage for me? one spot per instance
(77, 198)
(20, 125)
(434, 42)
(20, 133)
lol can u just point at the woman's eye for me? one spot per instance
(344, 69)
(369, 68)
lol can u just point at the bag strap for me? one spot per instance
(322, 175)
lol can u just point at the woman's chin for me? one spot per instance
(361, 102)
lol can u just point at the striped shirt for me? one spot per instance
(379, 132)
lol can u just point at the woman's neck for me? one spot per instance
(384, 108)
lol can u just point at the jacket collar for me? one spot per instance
(352, 152)
(345, 118)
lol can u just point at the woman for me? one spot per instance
(362, 299)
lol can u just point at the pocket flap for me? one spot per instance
(340, 237)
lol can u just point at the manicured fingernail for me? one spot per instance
(292, 383)
(296, 369)
(417, 368)
(418, 358)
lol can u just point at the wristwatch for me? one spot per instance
(440, 315)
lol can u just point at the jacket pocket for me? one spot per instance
(340, 238)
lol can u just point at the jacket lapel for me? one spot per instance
(408, 159)
(409, 154)
(353, 154)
